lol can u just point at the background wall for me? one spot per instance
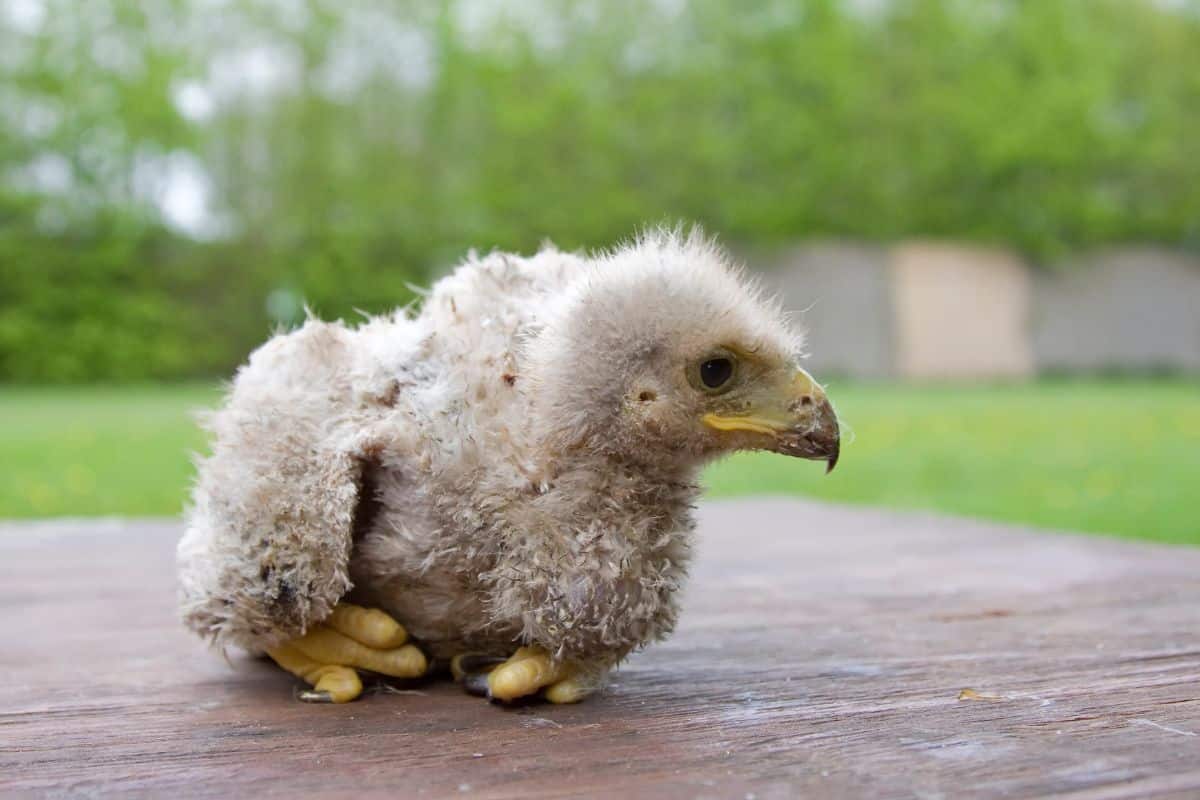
(927, 310)
(1134, 308)
(840, 293)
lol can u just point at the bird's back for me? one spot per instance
(456, 367)
(461, 444)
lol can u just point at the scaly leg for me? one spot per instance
(351, 638)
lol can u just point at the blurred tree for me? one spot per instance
(177, 177)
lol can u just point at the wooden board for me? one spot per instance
(822, 653)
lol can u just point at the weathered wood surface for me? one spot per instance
(822, 653)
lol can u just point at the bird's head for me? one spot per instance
(662, 354)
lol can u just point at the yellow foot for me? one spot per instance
(530, 670)
(352, 638)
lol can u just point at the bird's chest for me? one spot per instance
(421, 559)
(471, 567)
(599, 580)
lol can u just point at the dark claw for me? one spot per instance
(478, 662)
(476, 683)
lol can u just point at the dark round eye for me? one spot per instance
(715, 372)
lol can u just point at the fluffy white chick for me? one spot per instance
(512, 469)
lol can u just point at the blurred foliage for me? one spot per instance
(176, 177)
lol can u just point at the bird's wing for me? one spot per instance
(269, 534)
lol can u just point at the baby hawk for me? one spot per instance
(509, 473)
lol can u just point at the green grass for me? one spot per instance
(98, 450)
(1118, 457)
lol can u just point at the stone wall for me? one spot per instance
(928, 310)
(1132, 308)
(960, 312)
(841, 297)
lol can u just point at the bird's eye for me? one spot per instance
(716, 372)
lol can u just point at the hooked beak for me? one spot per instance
(796, 419)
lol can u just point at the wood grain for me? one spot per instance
(822, 653)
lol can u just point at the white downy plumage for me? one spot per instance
(515, 464)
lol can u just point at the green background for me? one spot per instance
(347, 150)
(1118, 457)
(382, 139)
